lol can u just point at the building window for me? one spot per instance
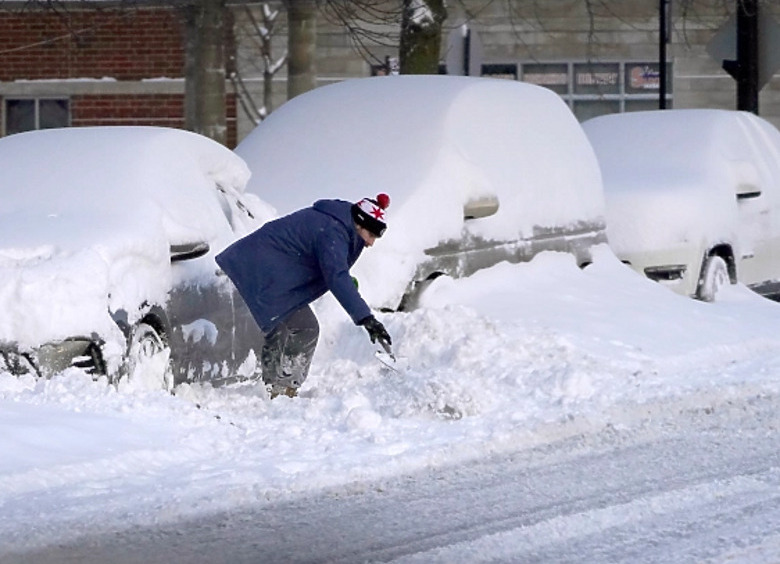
(553, 76)
(25, 114)
(596, 79)
(594, 89)
(507, 71)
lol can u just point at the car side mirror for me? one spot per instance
(747, 178)
(746, 190)
(189, 251)
(483, 206)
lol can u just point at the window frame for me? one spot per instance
(568, 79)
(36, 111)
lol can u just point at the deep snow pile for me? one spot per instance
(512, 357)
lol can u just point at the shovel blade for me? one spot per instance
(392, 362)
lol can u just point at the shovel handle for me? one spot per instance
(386, 346)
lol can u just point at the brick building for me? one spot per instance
(104, 65)
(118, 63)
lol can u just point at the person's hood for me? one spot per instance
(340, 210)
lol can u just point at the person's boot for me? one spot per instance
(276, 390)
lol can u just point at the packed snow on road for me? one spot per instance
(515, 358)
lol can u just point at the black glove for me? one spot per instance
(376, 331)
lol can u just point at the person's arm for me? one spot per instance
(332, 254)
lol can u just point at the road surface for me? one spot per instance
(691, 486)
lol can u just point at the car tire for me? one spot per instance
(148, 359)
(714, 277)
(411, 299)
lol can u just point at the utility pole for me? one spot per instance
(663, 39)
(745, 68)
(466, 51)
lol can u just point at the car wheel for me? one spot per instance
(148, 359)
(411, 299)
(714, 277)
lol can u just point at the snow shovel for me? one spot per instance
(389, 360)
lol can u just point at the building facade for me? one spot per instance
(84, 66)
(98, 63)
(600, 57)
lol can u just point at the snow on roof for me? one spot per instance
(94, 172)
(659, 144)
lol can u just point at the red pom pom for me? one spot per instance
(383, 200)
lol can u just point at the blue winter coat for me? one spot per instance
(291, 261)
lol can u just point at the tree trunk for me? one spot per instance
(302, 45)
(205, 97)
(421, 24)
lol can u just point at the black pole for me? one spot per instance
(467, 52)
(663, 39)
(747, 55)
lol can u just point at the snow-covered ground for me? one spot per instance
(514, 361)
(512, 358)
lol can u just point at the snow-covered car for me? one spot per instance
(478, 170)
(107, 244)
(693, 197)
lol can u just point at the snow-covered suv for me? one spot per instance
(478, 170)
(693, 197)
(107, 244)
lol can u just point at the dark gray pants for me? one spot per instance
(289, 348)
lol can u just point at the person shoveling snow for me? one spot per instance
(288, 263)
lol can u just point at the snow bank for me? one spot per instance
(515, 356)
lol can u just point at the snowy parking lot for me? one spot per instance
(581, 415)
